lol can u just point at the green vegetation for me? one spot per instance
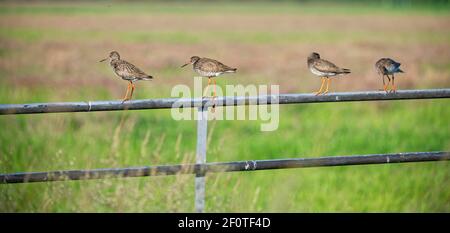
(50, 52)
(224, 7)
(99, 140)
(186, 37)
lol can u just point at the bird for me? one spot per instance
(209, 68)
(325, 70)
(126, 71)
(386, 67)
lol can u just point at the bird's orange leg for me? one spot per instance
(328, 84)
(389, 82)
(321, 87)
(384, 85)
(132, 90)
(126, 94)
(394, 88)
(214, 95)
(207, 88)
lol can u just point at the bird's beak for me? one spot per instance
(185, 64)
(103, 60)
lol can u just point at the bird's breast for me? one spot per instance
(206, 73)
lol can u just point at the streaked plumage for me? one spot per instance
(386, 67)
(324, 69)
(209, 68)
(126, 71)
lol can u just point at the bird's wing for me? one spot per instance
(387, 64)
(325, 66)
(129, 71)
(380, 66)
(224, 68)
(209, 65)
(394, 64)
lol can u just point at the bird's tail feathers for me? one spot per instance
(400, 71)
(345, 71)
(147, 78)
(232, 70)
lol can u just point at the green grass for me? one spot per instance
(186, 37)
(63, 141)
(100, 140)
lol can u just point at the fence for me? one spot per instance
(201, 167)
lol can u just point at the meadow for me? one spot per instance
(50, 52)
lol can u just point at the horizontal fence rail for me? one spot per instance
(252, 165)
(221, 101)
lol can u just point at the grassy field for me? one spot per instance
(50, 52)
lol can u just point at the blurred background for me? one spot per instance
(49, 51)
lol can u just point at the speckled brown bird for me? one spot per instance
(325, 70)
(209, 68)
(126, 71)
(386, 67)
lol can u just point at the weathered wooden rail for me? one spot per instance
(201, 167)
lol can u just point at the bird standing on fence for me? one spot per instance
(126, 71)
(324, 69)
(386, 67)
(209, 68)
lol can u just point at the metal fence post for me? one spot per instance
(202, 130)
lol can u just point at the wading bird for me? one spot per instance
(325, 70)
(209, 68)
(386, 67)
(126, 71)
